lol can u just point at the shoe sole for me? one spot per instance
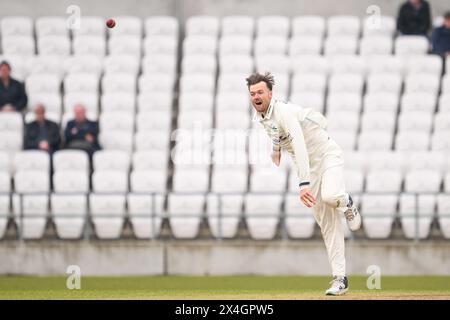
(344, 291)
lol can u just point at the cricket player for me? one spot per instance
(318, 159)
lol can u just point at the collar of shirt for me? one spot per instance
(258, 116)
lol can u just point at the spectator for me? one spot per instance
(441, 38)
(82, 133)
(11, 91)
(42, 133)
(414, 18)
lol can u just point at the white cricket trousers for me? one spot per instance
(328, 186)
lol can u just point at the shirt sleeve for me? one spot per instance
(291, 124)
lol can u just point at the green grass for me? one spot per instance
(236, 287)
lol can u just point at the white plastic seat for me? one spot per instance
(441, 121)
(443, 212)
(121, 63)
(20, 67)
(4, 213)
(108, 212)
(202, 25)
(197, 83)
(232, 101)
(16, 26)
(355, 160)
(90, 25)
(382, 181)
(375, 140)
(314, 100)
(238, 25)
(56, 45)
(418, 121)
(344, 101)
(151, 140)
(223, 212)
(190, 180)
(276, 63)
(427, 160)
(110, 181)
(154, 101)
(32, 160)
(11, 121)
(386, 161)
(42, 83)
(346, 121)
(70, 160)
(118, 103)
(268, 179)
(157, 120)
(420, 207)
(300, 220)
(127, 26)
(88, 100)
(262, 215)
(378, 120)
(278, 45)
(196, 101)
(345, 139)
(347, 64)
(232, 119)
(338, 45)
(69, 214)
(384, 83)
(111, 160)
(117, 140)
(440, 141)
(346, 83)
(164, 45)
(11, 141)
(375, 102)
(194, 119)
(354, 181)
(5, 162)
(412, 141)
(199, 63)
(411, 45)
(444, 102)
(157, 82)
(445, 85)
(379, 212)
(119, 82)
(306, 44)
(51, 26)
(30, 212)
(148, 180)
(308, 25)
(343, 25)
(423, 181)
(71, 181)
(89, 45)
(200, 45)
(116, 120)
(376, 45)
(158, 63)
(309, 82)
(235, 45)
(18, 45)
(385, 64)
(424, 64)
(81, 82)
(127, 45)
(309, 64)
(229, 180)
(150, 159)
(145, 213)
(84, 63)
(422, 84)
(161, 26)
(242, 64)
(273, 25)
(185, 212)
(46, 64)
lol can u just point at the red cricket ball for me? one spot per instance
(110, 23)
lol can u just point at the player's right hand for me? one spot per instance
(276, 157)
(307, 197)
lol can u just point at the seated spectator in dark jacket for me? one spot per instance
(82, 133)
(12, 92)
(42, 134)
(441, 37)
(414, 18)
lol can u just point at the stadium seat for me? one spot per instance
(145, 213)
(54, 45)
(278, 45)
(310, 64)
(379, 212)
(374, 102)
(382, 181)
(444, 102)
(43, 83)
(414, 207)
(6, 165)
(110, 181)
(278, 64)
(159, 63)
(31, 210)
(343, 25)
(51, 26)
(235, 45)
(376, 45)
(443, 212)
(16, 26)
(194, 119)
(345, 121)
(273, 26)
(308, 25)
(232, 64)
(197, 64)
(424, 64)
(345, 139)
(385, 64)
(422, 83)
(70, 160)
(129, 26)
(426, 160)
(379, 25)
(148, 180)
(91, 25)
(185, 212)
(301, 45)
(412, 141)
(387, 161)
(107, 212)
(411, 45)
(309, 82)
(150, 159)
(262, 215)
(203, 25)
(238, 25)
(229, 180)
(232, 101)
(111, 160)
(190, 180)
(300, 220)
(18, 45)
(152, 101)
(354, 181)
(196, 101)
(126, 45)
(441, 121)
(224, 212)
(121, 63)
(375, 140)
(119, 82)
(89, 45)
(345, 83)
(69, 214)
(377, 120)
(71, 181)
(445, 84)
(81, 82)
(344, 101)
(384, 83)
(4, 213)
(161, 26)
(84, 63)
(232, 119)
(339, 45)
(159, 45)
(200, 45)
(35, 160)
(418, 121)
(423, 181)
(47, 64)
(151, 140)
(197, 83)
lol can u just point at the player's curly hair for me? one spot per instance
(257, 77)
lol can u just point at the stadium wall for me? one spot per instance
(114, 258)
(185, 8)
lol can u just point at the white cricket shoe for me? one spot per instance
(339, 286)
(352, 215)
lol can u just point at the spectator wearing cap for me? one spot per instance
(12, 92)
(440, 39)
(42, 134)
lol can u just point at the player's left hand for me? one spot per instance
(307, 197)
(276, 157)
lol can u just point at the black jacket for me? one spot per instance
(441, 40)
(14, 94)
(414, 22)
(76, 131)
(32, 134)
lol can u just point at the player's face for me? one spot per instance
(260, 96)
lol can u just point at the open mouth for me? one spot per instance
(258, 103)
